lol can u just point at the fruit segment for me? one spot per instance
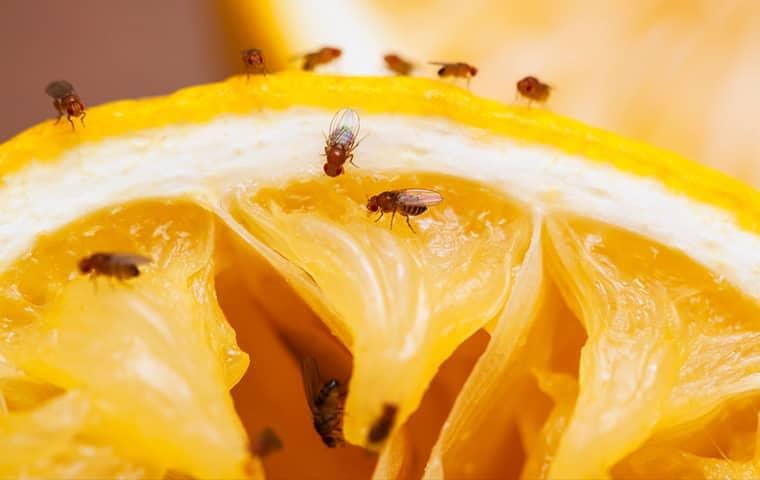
(668, 343)
(473, 439)
(629, 363)
(563, 391)
(408, 299)
(153, 356)
(46, 443)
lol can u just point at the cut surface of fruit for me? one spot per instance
(619, 297)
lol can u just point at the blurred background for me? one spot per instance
(680, 74)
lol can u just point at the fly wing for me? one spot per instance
(419, 197)
(129, 259)
(439, 63)
(311, 381)
(345, 122)
(59, 88)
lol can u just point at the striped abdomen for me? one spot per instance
(411, 210)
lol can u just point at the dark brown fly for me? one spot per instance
(120, 266)
(341, 141)
(457, 70)
(384, 424)
(320, 57)
(325, 402)
(408, 203)
(267, 442)
(398, 64)
(253, 60)
(66, 101)
(533, 89)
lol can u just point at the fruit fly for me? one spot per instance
(320, 57)
(456, 69)
(398, 64)
(120, 266)
(267, 442)
(325, 402)
(254, 61)
(383, 425)
(66, 101)
(341, 141)
(533, 89)
(409, 203)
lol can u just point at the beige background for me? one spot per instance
(108, 49)
(680, 74)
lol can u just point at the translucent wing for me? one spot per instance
(344, 126)
(311, 379)
(419, 197)
(59, 88)
(129, 259)
(440, 63)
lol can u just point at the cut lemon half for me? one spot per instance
(578, 306)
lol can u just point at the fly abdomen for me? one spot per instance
(129, 271)
(411, 210)
(325, 391)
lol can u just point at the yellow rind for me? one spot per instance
(398, 95)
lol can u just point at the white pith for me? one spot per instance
(205, 161)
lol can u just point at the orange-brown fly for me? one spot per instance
(383, 425)
(326, 400)
(398, 65)
(457, 70)
(66, 101)
(253, 60)
(409, 202)
(121, 266)
(341, 141)
(320, 57)
(533, 89)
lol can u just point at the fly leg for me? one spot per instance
(517, 97)
(392, 217)
(68, 117)
(410, 224)
(60, 113)
(81, 119)
(381, 216)
(351, 160)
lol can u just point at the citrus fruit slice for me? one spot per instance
(577, 305)
(508, 40)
